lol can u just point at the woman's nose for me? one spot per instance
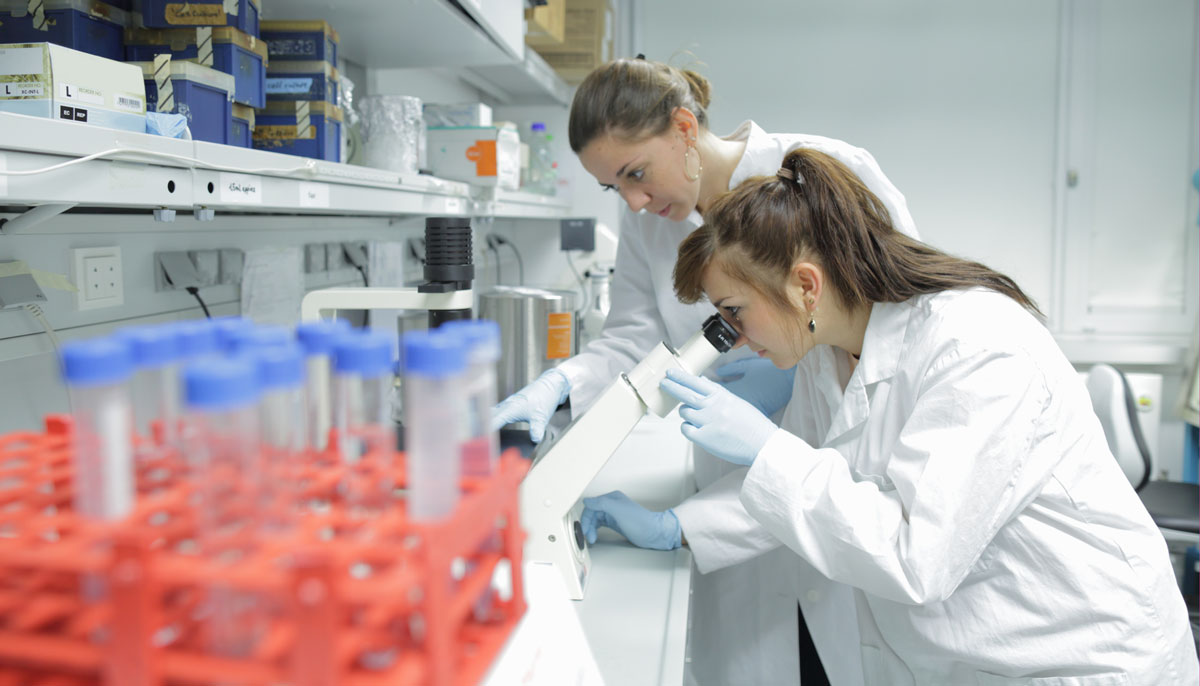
(636, 200)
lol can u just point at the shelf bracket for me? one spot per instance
(33, 217)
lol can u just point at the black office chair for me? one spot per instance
(1174, 505)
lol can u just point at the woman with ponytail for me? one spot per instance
(939, 454)
(641, 129)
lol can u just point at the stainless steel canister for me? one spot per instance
(537, 331)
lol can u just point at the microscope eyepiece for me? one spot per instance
(719, 333)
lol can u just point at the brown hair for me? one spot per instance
(758, 230)
(634, 99)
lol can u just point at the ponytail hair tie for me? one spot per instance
(789, 175)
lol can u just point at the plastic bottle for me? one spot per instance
(366, 434)
(481, 448)
(156, 392)
(221, 399)
(542, 175)
(600, 302)
(317, 339)
(434, 401)
(97, 374)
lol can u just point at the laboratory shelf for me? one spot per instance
(480, 42)
(150, 172)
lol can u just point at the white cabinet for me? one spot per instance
(1127, 266)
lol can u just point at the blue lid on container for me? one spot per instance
(482, 336)
(248, 338)
(221, 383)
(368, 353)
(434, 353)
(227, 328)
(281, 365)
(318, 337)
(152, 346)
(538, 126)
(97, 362)
(194, 337)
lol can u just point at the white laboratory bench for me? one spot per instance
(631, 627)
(636, 605)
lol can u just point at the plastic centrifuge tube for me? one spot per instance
(194, 338)
(434, 405)
(251, 338)
(366, 434)
(481, 447)
(317, 339)
(156, 392)
(97, 374)
(281, 410)
(224, 455)
(228, 329)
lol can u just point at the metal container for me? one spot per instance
(537, 331)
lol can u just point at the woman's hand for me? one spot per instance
(717, 420)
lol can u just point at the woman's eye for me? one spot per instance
(733, 312)
(636, 175)
(607, 187)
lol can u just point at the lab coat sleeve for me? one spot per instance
(959, 470)
(634, 324)
(718, 529)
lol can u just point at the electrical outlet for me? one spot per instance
(208, 265)
(98, 277)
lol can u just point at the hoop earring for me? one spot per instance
(687, 156)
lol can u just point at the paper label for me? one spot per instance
(14, 91)
(21, 61)
(194, 14)
(289, 85)
(280, 135)
(314, 194)
(91, 96)
(558, 335)
(241, 189)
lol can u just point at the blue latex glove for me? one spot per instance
(644, 528)
(716, 419)
(759, 382)
(535, 404)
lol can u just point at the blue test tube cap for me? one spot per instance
(97, 362)
(281, 365)
(194, 337)
(152, 346)
(482, 336)
(318, 338)
(434, 353)
(366, 353)
(248, 339)
(221, 383)
(228, 328)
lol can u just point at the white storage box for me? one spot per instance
(47, 80)
(481, 155)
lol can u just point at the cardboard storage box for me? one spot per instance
(233, 52)
(545, 25)
(88, 26)
(301, 40)
(481, 155)
(308, 129)
(201, 94)
(587, 41)
(170, 14)
(47, 80)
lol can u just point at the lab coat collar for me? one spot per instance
(878, 361)
(761, 150)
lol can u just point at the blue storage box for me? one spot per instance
(201, 94)
(300, 41)
(277, 129)
(234, 52)
(175, 14)
(302, 81)
(88, 26)
(241, 132)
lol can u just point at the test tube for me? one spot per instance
(194, 338)
(97, 374)
(481, 448)
(317, 339)
(281, 375)
(223, 454)
(434, 404)
(250, 338)
(156, 392)
(228, 329)
(366, 434)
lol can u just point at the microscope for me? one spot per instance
(563, 468)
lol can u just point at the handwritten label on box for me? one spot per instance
(314, 194)
(241, 189)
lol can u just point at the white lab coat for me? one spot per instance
(744, 628)
(963, 486)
